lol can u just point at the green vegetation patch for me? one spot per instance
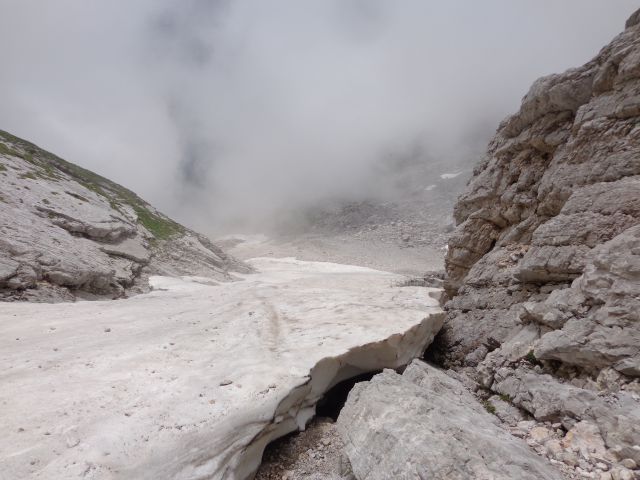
(29, 175)
(5, 150)
(42, 169)
(2, 168)
(159, 226)
(488, 406)
(531, 358)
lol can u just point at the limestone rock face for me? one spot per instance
(544, 265)
(425, 424)
(66, 232)
(602, 327)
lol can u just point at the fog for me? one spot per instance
(227, 114)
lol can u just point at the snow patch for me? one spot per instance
(447, 176)
(193, 380)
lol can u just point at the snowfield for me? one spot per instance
(194, 379)
(449, 176)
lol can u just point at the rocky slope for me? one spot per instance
(66, 232)
(543, 310)
(544, 265)
(417, 214)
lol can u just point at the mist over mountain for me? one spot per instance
(227, 115)
(320, 240)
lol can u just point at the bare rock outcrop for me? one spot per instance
(66, 232)
(425, 424)
(543, 269)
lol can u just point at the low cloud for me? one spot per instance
(226, 114)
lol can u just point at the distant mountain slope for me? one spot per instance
(66, 232)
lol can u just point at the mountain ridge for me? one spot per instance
(69, 233)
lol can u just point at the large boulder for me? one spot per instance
(425, 424)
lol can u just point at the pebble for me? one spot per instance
(629, 463)
(584, 465)
(569, 458)
(225, 382)
(583, 462)
(622, 474)
(107, 330)
(584, 473)
(554, 448)
(540, 434)
(526, 425)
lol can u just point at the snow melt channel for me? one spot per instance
(193, 380)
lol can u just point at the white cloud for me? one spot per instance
(217, 110)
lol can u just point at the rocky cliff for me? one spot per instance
(66, 232)
(543, 307)
(544, 265)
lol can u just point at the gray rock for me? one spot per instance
(8, 268)
(66, 232)
(505, 411)
(633, 20)
(608, 334)
(543, 268)
(561, 177)
(425, 424)
(548, 398)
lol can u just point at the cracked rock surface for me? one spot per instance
(543, 268)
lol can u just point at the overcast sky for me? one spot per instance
(215, 110)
